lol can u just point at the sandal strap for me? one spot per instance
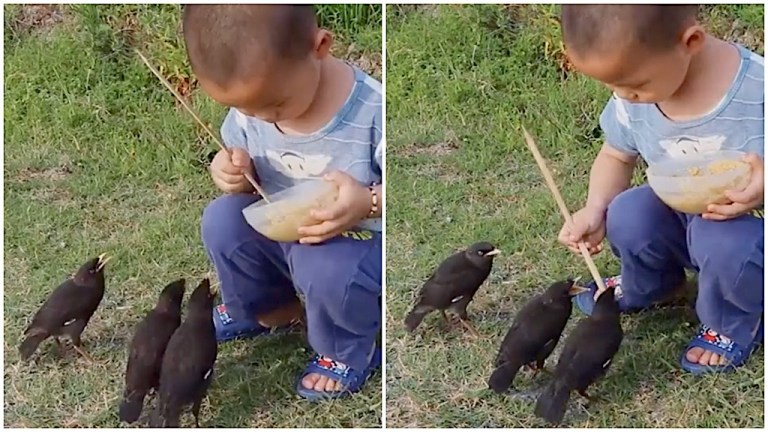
(710, 340)
(334, 370)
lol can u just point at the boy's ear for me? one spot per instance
(693, 39)
(323, 42)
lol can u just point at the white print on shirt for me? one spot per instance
(688, 145)
(297, 165)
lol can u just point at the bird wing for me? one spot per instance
(453, 274)
(64, 304)
(588, 359)
(187, 362)
(530, 330)
(147, 348)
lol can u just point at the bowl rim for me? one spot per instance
(693, 160)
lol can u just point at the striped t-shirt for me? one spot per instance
(735, 124)
(351, 142)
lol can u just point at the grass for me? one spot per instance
(460, 82)
(98, 157)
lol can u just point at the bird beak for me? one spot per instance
(576, 289)
(493, 252)
(102, 261)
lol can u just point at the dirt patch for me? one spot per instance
(440, 149)
(57, 173)
(38, 17)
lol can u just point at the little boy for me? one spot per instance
(297, 114)
(676, 91)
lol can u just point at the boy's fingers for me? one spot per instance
(228, 168)
(728, 210)
(745, 196)
(240, 158)
(230, 178)
(754, 160)
(318, 230)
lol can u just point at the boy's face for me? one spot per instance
(279, 94)
(284, 91)
(638, 76)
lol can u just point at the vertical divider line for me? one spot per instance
(384, 214)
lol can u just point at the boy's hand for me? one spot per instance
(588, 226)
(744, 201)
(227, 171)
(353, 205)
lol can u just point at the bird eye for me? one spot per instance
(479, 252)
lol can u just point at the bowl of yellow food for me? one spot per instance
(690, 184)
(290, 209)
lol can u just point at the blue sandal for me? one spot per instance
(227, 328)
(706, 338)
(585, 301)
(351, 380)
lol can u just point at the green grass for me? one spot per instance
(460, 82)
(98, 158)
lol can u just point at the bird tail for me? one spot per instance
(30, 344)
(131, 406)
(414, 317)
(553, 402)
(502, 376)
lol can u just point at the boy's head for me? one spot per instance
(263, 60)
(642, 52)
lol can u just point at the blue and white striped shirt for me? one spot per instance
(350, 142)
(735, 124)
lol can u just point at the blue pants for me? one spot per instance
(340, 279)
(656, 243)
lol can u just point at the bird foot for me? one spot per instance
(590, 399)
(535, 369)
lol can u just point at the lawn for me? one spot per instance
(100, 158)
(461, 80)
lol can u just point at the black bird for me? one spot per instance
(587, 354)
(187, 368)
(534, 333)
(68, 309)
(453, 285)
(147, 348)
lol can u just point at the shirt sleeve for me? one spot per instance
(378, 146)
(233, 130)
(614, 121)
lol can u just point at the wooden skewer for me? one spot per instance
(563, 209)
(168, 85)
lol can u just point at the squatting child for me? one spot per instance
(676, 91)
(297, 113)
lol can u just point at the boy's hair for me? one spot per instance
(230, 42)
(595, 28)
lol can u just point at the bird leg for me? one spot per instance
(84, 354)
(59, 346)
(468, 326)
(445, 318)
